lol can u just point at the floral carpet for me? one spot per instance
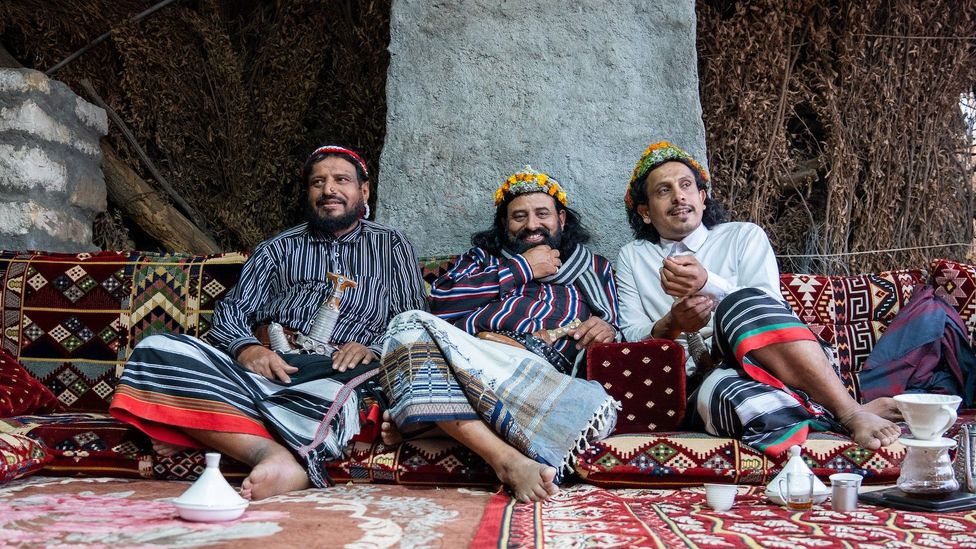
(114, 513)
(587, 516)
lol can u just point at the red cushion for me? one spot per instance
(20, 456)
(20, 393)
(647, 377)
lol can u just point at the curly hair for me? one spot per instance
(495, 238)
(714, 214)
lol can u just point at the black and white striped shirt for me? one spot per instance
(285, 281)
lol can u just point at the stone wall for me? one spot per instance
(476, 89)
(51, 184)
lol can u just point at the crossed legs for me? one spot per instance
(803, 365)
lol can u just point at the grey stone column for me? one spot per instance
(51, 184)
(476, 89)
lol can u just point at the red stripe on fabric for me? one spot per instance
(798, 437)
(783, 335)
(496, 523)
(164, 422)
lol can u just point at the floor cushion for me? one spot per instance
(20, 456)
(20, 393)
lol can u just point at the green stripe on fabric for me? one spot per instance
(771, 327)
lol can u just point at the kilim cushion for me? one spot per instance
(956, 283)
(86, 444)
(19, 392)
(72, 319)
(647, 377)
(20, 456)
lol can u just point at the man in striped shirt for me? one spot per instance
(526, 415)
(333, 283)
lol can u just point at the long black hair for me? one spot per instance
(714, 213)
(495, 238)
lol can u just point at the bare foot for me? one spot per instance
(885, 407)
(527, 479)
(388, 430)
(166, 449)
(278, 473)
(870, 430)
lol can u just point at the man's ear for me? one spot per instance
(642, 210)
(365, 188)
(562, 219)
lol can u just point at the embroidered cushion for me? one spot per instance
(647, 377)
(20, 456)
(956, 283)
(20, 393)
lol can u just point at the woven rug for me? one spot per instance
(588, 516)
(137, 514)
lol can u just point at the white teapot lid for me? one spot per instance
(211, 489)
(794, 465)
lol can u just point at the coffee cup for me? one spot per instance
(928, 415)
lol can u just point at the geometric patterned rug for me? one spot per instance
(589, 516)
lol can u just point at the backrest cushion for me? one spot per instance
(850, 312)
(72, 319)
(956, 283)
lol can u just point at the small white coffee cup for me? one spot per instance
(928, 415)
(720, 497)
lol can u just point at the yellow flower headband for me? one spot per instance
(530, 181)
(656, 154)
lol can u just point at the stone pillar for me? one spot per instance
(51, 184)
(476, 89)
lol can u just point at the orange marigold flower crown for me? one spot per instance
(659, 153)
(530, 181)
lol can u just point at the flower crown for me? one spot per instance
(530, 181)
(656, 154)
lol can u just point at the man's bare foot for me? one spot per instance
(278, 473)
(166, 449)
(388, 430)
(885, 407)
(527, 479)
(870, 430)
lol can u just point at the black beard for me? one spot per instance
(328, 226)
(518, 245)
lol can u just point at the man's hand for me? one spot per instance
(350, 355)
(543, 261)
(690, 314)
(265, 362)
(592, 330)
(682, 275)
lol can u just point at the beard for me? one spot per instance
(327, 226)
(518, 244)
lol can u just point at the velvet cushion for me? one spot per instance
(20, 393)
(647, 377)
(20, 456)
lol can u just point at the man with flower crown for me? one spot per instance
(528, 280)
(691, 274)
(320, 295)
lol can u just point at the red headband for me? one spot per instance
(336, 149)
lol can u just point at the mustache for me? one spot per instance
(323, 199)
(524, 233)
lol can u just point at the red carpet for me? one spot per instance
(587, 516)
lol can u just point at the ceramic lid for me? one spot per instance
(795, 465)
(941, 442)
(211, 489)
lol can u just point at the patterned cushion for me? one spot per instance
(668, 460)
(831, 300)
(86, 444)
(420, 462)
(72, 319)
(647, 377)
(19, 392)
(956, 283)
(20, 456)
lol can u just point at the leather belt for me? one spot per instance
(261, 333)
